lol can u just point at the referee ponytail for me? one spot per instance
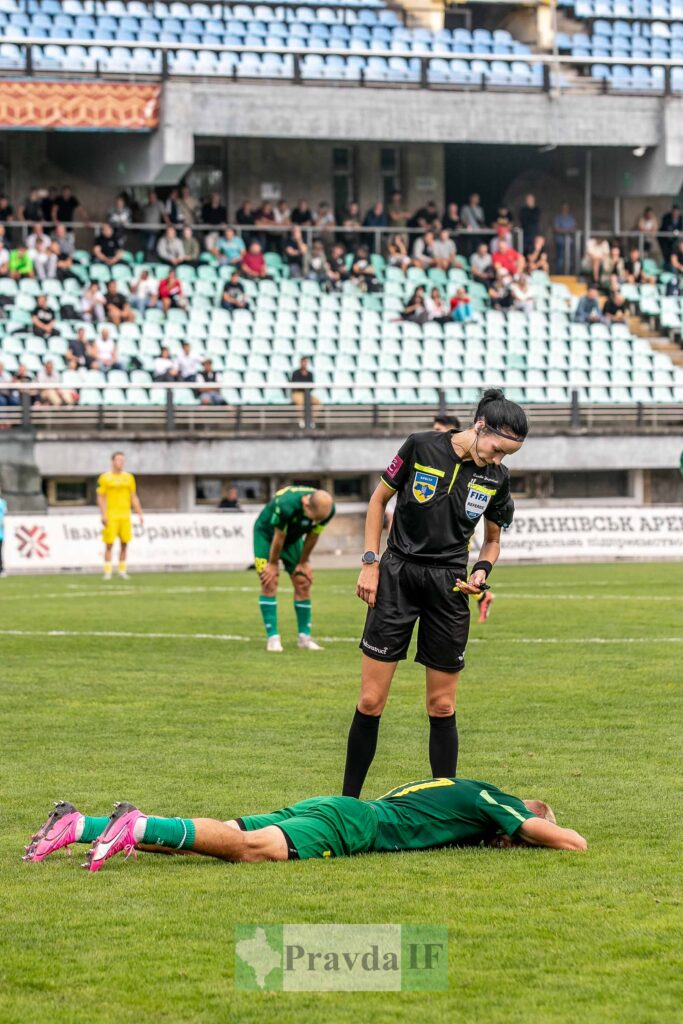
(502, 415)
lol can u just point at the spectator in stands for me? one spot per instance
(66, 208)
(672, 224)
(588, 308)
(522, 294)
(50, 195)
(144, 291)
(396, 211)
(187, 365)
(171, 292)
(508, 259)
(444, 252)
(615, 309)
(117, 306)
(245, 217)
(436, 307)
(7, 396)
(44, 259)
(294, 251)
(472, 215)
(252, 263)
(164, 368)
(188, 206)
(4, 259)
(171, 211)
(564, 227)
(214, 212)
(648, 226)
(303, 375)
(22, 376)
(537, 258)
(282, 214)
(336, 268)
(426, 217)
(363, 273)
(461, 306)
(674, 264)
(502, 225)
(635, 274)
(43, 320)
(92, 303)
(37, 234)
(31, 209)
(597, 252)
(191, 251)
(231, 501)
(106, 248)
(81, 352)
(397, 254)
(451, 218)
(265, 218)
(230, 248)
(481, 265)
(106, 352)
(325, 223)
(500, 291)
(207, 375)
(317, 263)
(423, 251)
(234, 295)
(63, 247)
(613, 270)
(52, 392)
(415, 310)
(20, 263)
(301, 214)
(530, 222)
(351, 236)
(376, 217)
(154, 215)
(120, 217)
(170, 248)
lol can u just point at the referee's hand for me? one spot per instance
(473, 584)
(366, 588)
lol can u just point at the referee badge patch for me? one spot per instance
(477, 500)
(424, 486)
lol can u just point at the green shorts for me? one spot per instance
(290, 554)
(324, 826)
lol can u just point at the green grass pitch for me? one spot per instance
(203, 726)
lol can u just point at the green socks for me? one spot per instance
(92, 828)
(177, 833)
(268, 606)
(303, 616)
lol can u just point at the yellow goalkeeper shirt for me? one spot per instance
(117, 489)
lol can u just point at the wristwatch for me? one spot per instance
(369, 558)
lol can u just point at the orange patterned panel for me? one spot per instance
(79, 105)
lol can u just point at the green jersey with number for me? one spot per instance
(286, 512)
(445, 812)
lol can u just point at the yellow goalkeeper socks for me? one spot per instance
(122, 568)
(107, 568)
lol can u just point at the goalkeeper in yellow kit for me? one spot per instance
(116, 495)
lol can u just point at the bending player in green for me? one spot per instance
(288, 530)
(417, 816)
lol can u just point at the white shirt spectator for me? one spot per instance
(187, 365)
(444, 249)
(43, 377)
(145, 288)
(162, 364)
(105, 349)
(170, 249)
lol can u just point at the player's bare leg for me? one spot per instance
(443, 731)
(123, 552)
(108, 550)
(376, 677)
(302, 582)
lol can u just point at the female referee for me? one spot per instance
(444, 483)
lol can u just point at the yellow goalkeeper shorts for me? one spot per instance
(121, 528)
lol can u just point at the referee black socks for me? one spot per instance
(443, 746)
(360, 750)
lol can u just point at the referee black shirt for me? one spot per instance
(440, 500)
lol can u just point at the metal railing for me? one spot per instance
(272, 419)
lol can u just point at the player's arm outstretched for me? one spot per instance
(541, 832)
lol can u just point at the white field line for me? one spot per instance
(223, 637)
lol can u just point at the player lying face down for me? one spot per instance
(420, 815)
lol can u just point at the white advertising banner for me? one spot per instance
(594, 533)
(215, 539)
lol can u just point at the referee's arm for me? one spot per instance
(490, 551)
(366, 588)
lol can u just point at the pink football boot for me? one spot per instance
(118, 836)
(58, 831)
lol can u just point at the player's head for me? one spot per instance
(500, 427)
(318, 505)
(538, 807)
(117, 461)
(445, 423)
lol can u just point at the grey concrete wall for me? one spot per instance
(251, 457)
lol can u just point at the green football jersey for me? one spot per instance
(444, 812)
(285, 512)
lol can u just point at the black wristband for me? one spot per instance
(483, 564)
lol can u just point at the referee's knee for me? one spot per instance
(440, 708)
(371, 705)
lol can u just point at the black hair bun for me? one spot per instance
(492, 395)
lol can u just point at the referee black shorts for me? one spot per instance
(407, 592)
